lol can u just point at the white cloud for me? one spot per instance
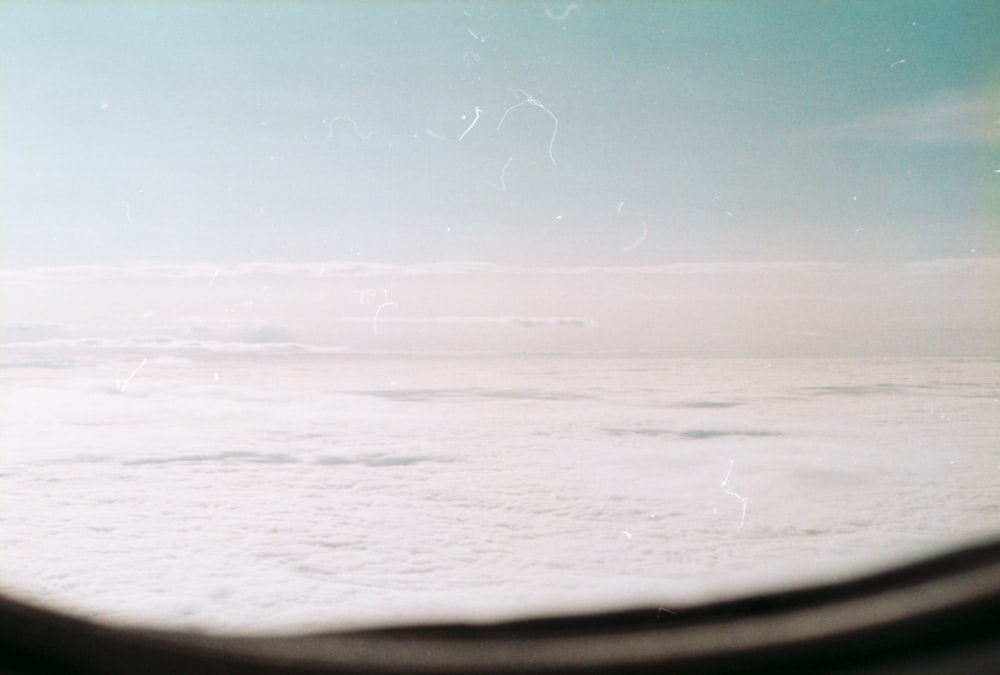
(984, 266)
(949, 116)
(31, 332)
(212, 274)
(752, 308)
(516, 321)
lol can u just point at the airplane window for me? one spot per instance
(326, 313)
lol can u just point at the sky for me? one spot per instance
(528, 133)
(514, 176)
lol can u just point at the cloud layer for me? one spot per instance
(943, 306)
(948, 116)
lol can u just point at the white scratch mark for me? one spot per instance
(538, 104)
(893, 65)
(375, 318)
(627, 533)
(620, 205)
(564, 15)
(354, 125)
(474, 36)
(128, 212)
(469, 128)
(744, 501)
(503, 172)
(215, 276)
(642, 237)
(121, 385)
(367, 293)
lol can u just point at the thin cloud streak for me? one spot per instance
(772, 309)
(950, 116)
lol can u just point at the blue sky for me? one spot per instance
(634, 134)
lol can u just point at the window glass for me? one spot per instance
(337, 312)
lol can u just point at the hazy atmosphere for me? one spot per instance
(834, 146)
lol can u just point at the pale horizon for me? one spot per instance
(745, 309)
